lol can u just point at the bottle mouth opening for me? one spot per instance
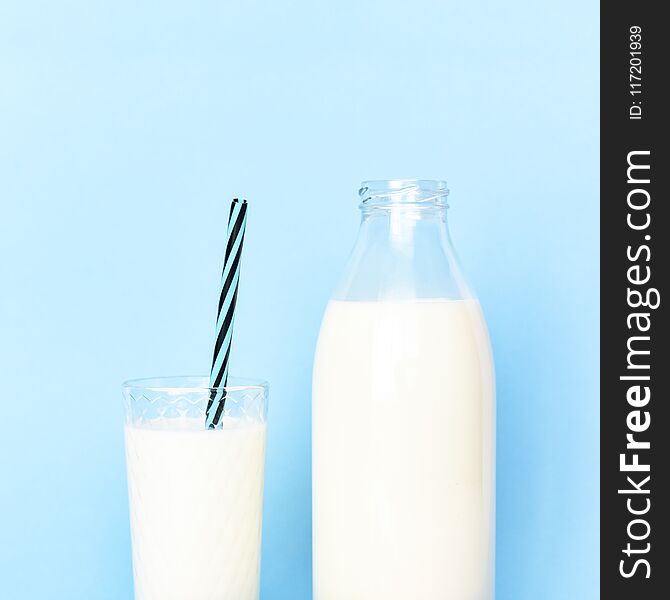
(403, 192)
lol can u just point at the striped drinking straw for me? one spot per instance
(230, 277)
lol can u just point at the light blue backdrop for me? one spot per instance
(126, 127)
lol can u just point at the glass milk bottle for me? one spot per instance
(403, 424)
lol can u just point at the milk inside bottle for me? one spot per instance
(403, 414)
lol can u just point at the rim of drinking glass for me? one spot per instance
(181, 384)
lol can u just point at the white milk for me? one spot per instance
(195, 509)
(403, 452)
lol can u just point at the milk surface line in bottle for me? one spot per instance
(403, 415)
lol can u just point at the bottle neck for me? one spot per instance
(403, 227)
(401, 210)
(403, 251)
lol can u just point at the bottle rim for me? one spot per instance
(405, 192)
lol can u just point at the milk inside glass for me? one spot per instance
(403, 414)
(196, 496)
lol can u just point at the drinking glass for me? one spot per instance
(196, 494)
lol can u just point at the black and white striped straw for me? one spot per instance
(230, 277)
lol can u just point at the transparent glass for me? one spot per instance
(403, 413)
(403, 250)
(196, 494)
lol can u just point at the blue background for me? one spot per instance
(126, 127)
